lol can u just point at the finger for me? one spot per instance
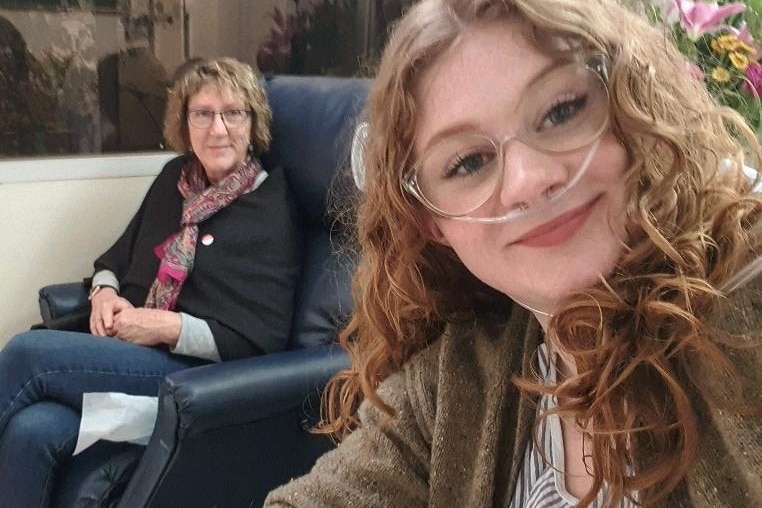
(108, 320)
(91, 322)
(120, 326)
(96, 323)
(123, 305)
(119, 332)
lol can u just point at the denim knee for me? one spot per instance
(21, 361)
(27, 349)
(45, 429)
(36, 441)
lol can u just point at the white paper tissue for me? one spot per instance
(116, 417)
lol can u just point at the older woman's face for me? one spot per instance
(219, 147)
(540, 259)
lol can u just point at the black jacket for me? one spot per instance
(242, 284)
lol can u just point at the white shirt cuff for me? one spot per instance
(196, 339)
(105, 278)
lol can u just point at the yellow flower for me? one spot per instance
(724, 43)
(720, 75)
(729, 43)
(739, 61)
(742, 46)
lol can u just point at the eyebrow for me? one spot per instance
(457, 128)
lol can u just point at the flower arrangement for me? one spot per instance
(312, 37)
(720, 41)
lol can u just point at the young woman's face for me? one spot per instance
(537, 259)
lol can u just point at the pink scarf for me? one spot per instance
(201, 201)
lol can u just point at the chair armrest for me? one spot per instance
(244, 419)
(241, 391)
(58, 300)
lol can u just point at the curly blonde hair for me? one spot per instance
(632, 336)
(226, 74)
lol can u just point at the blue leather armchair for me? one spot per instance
(226, 434)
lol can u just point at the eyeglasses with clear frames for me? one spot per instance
(232, 118)
(565, 110)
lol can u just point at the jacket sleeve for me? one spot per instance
(232, 344)
(729, 463)
(383, 463)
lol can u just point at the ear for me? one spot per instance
(432, 232)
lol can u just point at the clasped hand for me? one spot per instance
(114, 316)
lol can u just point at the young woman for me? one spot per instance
(558, 301)
(204, 272)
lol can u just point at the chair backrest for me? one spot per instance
(313, 124)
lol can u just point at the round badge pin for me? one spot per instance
(207, 240)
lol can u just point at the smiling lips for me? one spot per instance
(558, 230)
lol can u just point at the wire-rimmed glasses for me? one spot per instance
(232, 118)
(565, 110)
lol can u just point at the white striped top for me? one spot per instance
(541, 484)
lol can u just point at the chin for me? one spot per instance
(580, 278)
(544, 283)
(220, 165)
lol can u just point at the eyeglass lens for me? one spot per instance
(203, 118)
(566, 110)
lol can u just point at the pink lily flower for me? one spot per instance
(698, 18)
(753, 83)
(742, 32)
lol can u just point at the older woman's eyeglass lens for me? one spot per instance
(567, 109)
(203, 118)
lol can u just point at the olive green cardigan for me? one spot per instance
(461, 428)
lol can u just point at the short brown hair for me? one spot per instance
(225, 74)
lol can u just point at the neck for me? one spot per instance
(541, 316)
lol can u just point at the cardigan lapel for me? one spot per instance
(518, 411)
(482, 423)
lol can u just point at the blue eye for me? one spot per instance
(469, 164)
(563, 112)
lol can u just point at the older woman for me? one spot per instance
(204, 272)
(558, 300)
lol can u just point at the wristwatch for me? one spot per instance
(96, 289)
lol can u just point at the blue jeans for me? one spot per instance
(43, 375)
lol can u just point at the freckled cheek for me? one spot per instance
(614, 155)
(473, 241)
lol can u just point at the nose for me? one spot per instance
(530, 177)
(218, 126)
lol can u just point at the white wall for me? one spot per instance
(51, 230)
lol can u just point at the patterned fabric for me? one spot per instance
(541, 481)
(201, 201)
